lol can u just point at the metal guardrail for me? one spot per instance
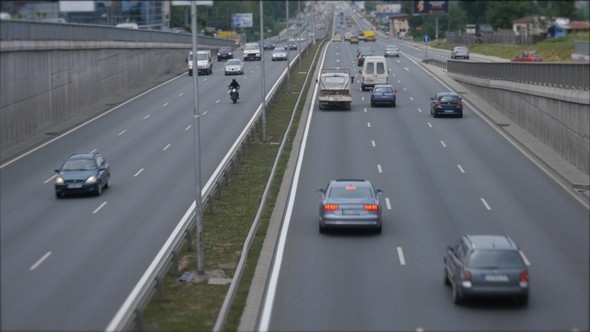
(45, 31)
(564, 75)
(130, 313)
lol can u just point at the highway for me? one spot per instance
(441, 178)
(69, 264)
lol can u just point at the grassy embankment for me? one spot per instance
(195, 306)
(552, 50)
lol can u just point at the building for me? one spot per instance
(398, 25)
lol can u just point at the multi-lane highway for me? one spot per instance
(442, 178)
(69, 264)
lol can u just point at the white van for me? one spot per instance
(204, 62)
(374, 72)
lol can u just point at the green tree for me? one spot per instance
(501, 13)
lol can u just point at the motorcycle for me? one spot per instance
(234, 94)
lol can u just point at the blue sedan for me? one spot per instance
(383, 94)
(82, 173)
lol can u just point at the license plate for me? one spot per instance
(449, 111)
(74, 186)
(495, 278)
(351, 212)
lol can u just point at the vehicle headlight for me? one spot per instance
(90, 180)
(59, 180)
(257, 54)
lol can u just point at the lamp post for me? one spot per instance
(263, 74)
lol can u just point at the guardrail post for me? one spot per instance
(175, 262)
(189, 239)
(139, 319)
(160, 288)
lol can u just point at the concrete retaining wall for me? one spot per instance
(558, 117)
(49, 87)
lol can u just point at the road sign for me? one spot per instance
(426, 38)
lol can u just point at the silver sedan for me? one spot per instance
(391, 50)
(234, 67)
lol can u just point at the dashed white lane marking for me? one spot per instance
(51, 178)
(399, 82)
(412, 99)
(461, 169)
(406, 69)
(187, 128)
(400, 253)
(419, 110)
(218, 100)
(526, 260)
(93, 151)
(419, 329)
(373, 143)
(180, 95)
(485, 204)
(138, 172)
(429, 125)
(34, 266)
(165, 105)
(121, 133)
(443, 144)
(388, 203)
(363, 98)
(147, 116)
(99, 207)
(365, 110)
(369, 124)
(166, 147)
(405, 89)
(379, 168)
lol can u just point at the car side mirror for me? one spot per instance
(321, 191)
(56, 170)
(431, 98)
(185, 60)
(450, 248)
(378, 192)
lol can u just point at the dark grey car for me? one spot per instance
(486, 265)
(446, 103)
(350, 204)
(82, 173)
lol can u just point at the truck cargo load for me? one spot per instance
(334, 86)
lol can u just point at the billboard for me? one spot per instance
(426, 7)
(188, 3)
(389, 9)
(241, 20)
(76, 6)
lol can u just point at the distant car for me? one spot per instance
(528, 56)
(354, 39)
(460, 52)
(350, 204)
(279, 54)
(391, 50)
(486, 266)
(291, 44)
(82, 173)
(347, 36)
(224, 53)
(301, 39)
(337, 38)
(383, 94)
(234, 67)
(363, 52)
(269, 44)
(446, 103)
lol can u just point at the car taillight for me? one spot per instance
(437, 104)
(459, 104)
(373, 95)
(465, 275)
(330, 207)
(371, 207)
(524, 279)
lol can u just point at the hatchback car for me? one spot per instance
(234, 67)
(383, 94)
(82, 173)
(337, 38)
(460, 52)
(279, 54)
(486, 265)
(224, 53)
(362, 53)
(528, 56)
(446, 103)
(350, 204)
(291, 44)
(354, 39)
(269, 44)
(391, 50)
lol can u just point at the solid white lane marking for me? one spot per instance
(373, 143)
(379, 168)
(99, 207)
(189, 127)
(461, 169)
(138, 172)
(387, 203)
(165, 105)
(485, 204)
(147, 116)
(419, 110)
(166, 147)
(51, 178)
(34, 266)
(429, 125)
(121, 133)
(443, 144)
(400, 253)
(369, 124)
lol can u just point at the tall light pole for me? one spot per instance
(263, 75)
(288, 48)
(196, 136)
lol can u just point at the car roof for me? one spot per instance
(83, 155)
(495, 242)
(447, 93)
(348, 182)
(383, 86)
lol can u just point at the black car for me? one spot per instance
(291, 44)
(486, 265)
(446, 103)
(82, 173)
(269, 44)
(350, 204)
(362, 53)
(224, 53)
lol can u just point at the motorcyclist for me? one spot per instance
(234, 84)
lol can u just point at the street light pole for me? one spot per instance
(288, 48)
(196, 134)
(263, 74)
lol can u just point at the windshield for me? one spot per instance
(495, 259)
(202, 56)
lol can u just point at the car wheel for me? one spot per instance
(446, 276)
(322, 229)
(59, 195)
(524, 300)
(190, 73)
(434, 115)
(378, 229)
(106, 185)
(99, 189)
(460, 114)
(457, 296)
(393, 104)
(372, 104)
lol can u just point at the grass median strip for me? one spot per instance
(194, 306)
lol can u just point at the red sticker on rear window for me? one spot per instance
(350, 187)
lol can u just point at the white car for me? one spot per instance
(279, 54)
(234, 67)
(392, 50)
